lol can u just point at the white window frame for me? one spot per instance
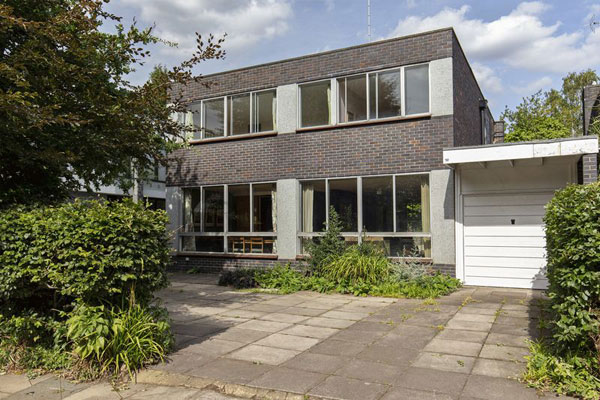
(304, 235)
(225, 233)
(332, 103)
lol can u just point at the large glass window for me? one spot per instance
(250, 216)
(412, 203)
(214, 118)
(263, 207)
(352, 98)
(416, 80)
(378, 204)
(343, 198)
(389, 94)
(240, 114)
(313, 206)
(315, 104)
(265, 111)
(193, 119)
(394, 211)
(213, 209)
(239, 208)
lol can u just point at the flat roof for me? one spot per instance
(521, 150)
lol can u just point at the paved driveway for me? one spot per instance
(469, 345)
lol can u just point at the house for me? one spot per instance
(395, 135)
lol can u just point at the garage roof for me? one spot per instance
(521, 150)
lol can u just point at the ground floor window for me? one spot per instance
(392, 210)
(239, 218)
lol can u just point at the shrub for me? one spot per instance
(283, 278)
(569, 375)
(116, 339)
(573, 246)
(324, 248)
(363, 263)
(242, 278)
(407, 269)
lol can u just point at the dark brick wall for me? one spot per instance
(218, 264)
(591, 106)
(589, 168)
(385, 54)
(467, 96)
(383, 148)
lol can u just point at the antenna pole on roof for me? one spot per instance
(369, 19)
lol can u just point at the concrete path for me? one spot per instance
(469, 345)
(49, 387)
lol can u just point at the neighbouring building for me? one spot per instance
(395, 135)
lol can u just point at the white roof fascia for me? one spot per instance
(520, 151)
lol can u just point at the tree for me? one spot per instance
(552, 114)
(69, 116)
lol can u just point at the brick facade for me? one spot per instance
(591, 106)
(589, 168)
(384, 148)
(412, 49)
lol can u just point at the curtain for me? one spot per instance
(274, 214)
(308, 196)
(274, 110)
(188, 216)
(425, 211)
(329, 104)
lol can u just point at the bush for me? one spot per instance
(569, 375)
(573, 246)
(283, 278)
(242, 278)
(323, 249)
(116, 339)
(362, 263)
(82, 254)
(407, 269)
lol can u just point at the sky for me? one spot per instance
(515, 48)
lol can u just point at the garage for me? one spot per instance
(500, 197)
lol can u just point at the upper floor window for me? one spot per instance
(374, 95)
(315, 104)
(233, 115)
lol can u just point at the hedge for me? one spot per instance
(85, 252)
(573, 247)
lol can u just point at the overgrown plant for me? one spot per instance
(323, 249)
(362, 263)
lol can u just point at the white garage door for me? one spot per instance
(504, 240)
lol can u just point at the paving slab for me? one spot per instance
(463, 335)
(456, 347)
(263, 354)
(490, 388)
(338, 387)
(470, 325)
(228, 370)
(309, 312)
(351, 316)
(370, 371)
(289, 380)
(508, 353)
(507, 340)
(11, 383)
(328, 322)
(401, 393)
(477, 310)
(53, 388)
(474, 317)
(432, 380)
(242, 335)
(213, 347)
(314, 362)
(265, 326)
(498, 368)
(400, 357)
(310, 331)
(338, 348)
(445, 362)
(284, 317)
(290, 342)
(358, 336)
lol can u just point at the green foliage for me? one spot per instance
(116, 339)
(331, 245)
(363, 263)
(242, 278)
(551, 114)
(92, 251)
(539, 127)
(407, 269)
(55, 135)
(570, 375)
(573, 246)
(86, 256)
(283, 278)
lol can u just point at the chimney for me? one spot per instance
(591, 105)
(499, 132)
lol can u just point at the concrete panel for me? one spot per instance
(174, 203)
(287, 108)
(440, 74)
(442, 216)
(287, 203)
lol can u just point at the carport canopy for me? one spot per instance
(500, 197)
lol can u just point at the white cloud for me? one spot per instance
(519, 39)
(487, 78)
(533, 87)
(246, 22)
